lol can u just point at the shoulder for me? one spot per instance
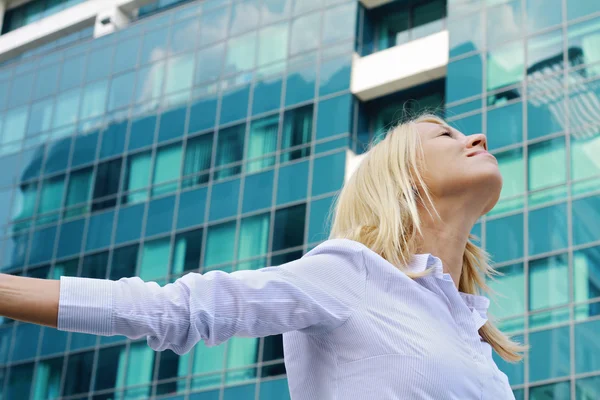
(338, 246)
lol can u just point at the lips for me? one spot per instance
(477, 153)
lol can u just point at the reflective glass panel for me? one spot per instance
(289, 227)
(254, 236)
(504, 240)
(510, 292)
(548, 282)
(547, 163)
(586, 274)
(549, 354)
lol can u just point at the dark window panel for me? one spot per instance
(289, 227)
(107, 179)
(124, 262)
(79, 373)
(94, 266)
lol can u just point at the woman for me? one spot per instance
(386, 309)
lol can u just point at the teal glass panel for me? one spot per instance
(254, 236)
(140, 366)
(45, 81)
(129, 223)
(504, 238)
(235, 104)
(72, 73)
(209, 63)
(160, 216)
(297, 130)
(292, 182)
(155, 260)
(508, 14)
(224, 199)
(25, 341)
(258, 191)
(203, 112)
(99, 225)
(466, 34)
(110, 371)
(94, 266)
(548, 282)
(464, 78)
(51, 195)
(108, 175)
(121, 91)
(587, 348)
(547, 164)
(263, 138)
(335, 75)
(126, 54)
(113, 139)
(333, 30)
(220, 244)
(514, 372)
(142, 132)
(273, 43)
(208, 362)
(301, 41)
(71, 235)
(57, 156)
(318, 224)
(559, 390)
(505, 125)
(40, 117)
(67, 105)
(192, 205)
(267, 95)
(542, 118)
(586, 274)
(213, 25)
(587, 388)
(53, 342)
(289, 227)
(300, 84)
(230, 145)
(548, 229)
(244, 16)
(241, 53)
(137, 176)
(172, 124)
(80, 183)
(42, 245)
(82, 341)
(167, 165)
(586, 215)
(275, 10)
(96, 67)
(547, 13)
(124, 263)
(581, 38)
(184, 35)
(501, 73)
(584, 150)
(94, 99)
(198, 155)
(149, 82)
(512, 168)
(187, 251)
(18, 385)
(180, 73)
(549, 354)
(328, 173)
(84, 149)
(274, 390)
(509, 299)
(20, 90)
(15, 122)
(541, 49)
(341, 107)
(239, 392)
(581, 8)
(154, 45)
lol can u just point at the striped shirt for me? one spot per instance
(353, 325)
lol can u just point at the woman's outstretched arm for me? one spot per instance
(29, 299)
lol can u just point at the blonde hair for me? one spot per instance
(378, 207)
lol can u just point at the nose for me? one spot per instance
(478, 139)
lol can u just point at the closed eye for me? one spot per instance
(446, 133)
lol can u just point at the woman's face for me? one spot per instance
(457, 165)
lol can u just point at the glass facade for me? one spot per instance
(34, 11)
(533, 88)
(213, 134)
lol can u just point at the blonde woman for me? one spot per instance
(388, 308)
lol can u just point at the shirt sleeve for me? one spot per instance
(314, 294)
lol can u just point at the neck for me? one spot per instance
(446, 237)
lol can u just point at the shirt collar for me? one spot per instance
(478, 305)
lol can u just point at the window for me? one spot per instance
(241, 352)
(267, 94)
(184, 34)
(548, 282)
(258, 191)
(549, 354)
(512, 168)
(160, 216)
(126, 55)
(300, 84)
(209, 362)
(52, 195)
(543, 115)
(297, 131)
(172, 123)
(155, 259)
(106, 184)
(203, 111)
(304, 36)
(192, 205)
(224, 200)
(514, 371)
(172, 365)
(209, 63)
(78, 192)
(581, 37)
(505, 125)
(335, 164)
(240, 53)
(220, 244)
(244, 16)
(396, 23)
(167, 168)
(588, 388)
(273, 43)
(40, 117)
(94, 100)
(110, 371)
(99, 228)
(230, 149)
(580, 8)
(545, 157)
(585, 220)
(254, 236)
(95, 266)
(341, 107)
(505, 65)
(262, 141)
(47, 378)
(274, 390)
(15, 121)
(113, 138)
(586, 274)
(71, 236)
(292, 182)
(198, 155)
(187, 252)
(121, 91)
(587, 349)
(25, 341)
(19, 383)
(137, 177)
(547, 13)
(180, 73)
(504, 239)
(213, 25)
(234, 104)
(548, 229)
(510, 289)
(289, 227)
(79, 373)
(124, 262)
(319, 211)
(584, 150)
(544, 54)
(149, 82)
(140, 365)
(335, 75)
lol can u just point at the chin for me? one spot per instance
(493, 187)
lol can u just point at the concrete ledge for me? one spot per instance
(400, 67)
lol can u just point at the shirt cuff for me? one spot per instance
(86, 305)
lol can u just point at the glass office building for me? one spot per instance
(214, 134)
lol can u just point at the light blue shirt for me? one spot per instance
(353, 325)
